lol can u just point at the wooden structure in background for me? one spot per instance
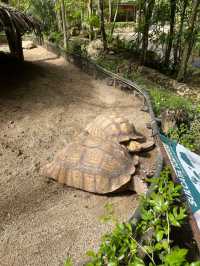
(127, 11)
(15, 24)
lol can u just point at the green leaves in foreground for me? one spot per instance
(68, 262)
(117, 248)
(150, 243)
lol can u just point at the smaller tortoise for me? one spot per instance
(117, 128)
(93, 165)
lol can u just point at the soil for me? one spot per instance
(45, 103)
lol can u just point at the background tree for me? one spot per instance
(189, 41)
(167, 26)
(102, 26)
(64, 25)
(148, 11)
(171, 32)
(90, 13)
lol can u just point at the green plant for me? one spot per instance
(160, 212)
(185, 136)
(109, 215)
(163, 99)
(68, 262)
(117, 248)
(55, 37)
(93, 21)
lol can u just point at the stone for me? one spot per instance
(28, 45)
(95, 48)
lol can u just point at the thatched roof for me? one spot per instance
(12, 19)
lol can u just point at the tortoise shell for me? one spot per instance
(92, 165)
(117, 128)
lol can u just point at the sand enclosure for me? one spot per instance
(45, 104)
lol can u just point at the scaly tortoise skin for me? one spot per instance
(92, 165)
(135, 147)
(117, 128)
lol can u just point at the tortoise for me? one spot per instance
(116, 127)
(94, 165)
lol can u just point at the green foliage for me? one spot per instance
(176, 257)
(111, 64)
(160, 212)
(93, 21)
(44, 11)
(68, 262)
(163, 99)
(76, 47)
(109, 215)
(117, 248)
(55, 37)
(185, 136)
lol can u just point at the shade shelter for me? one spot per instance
(15, 24)
(127, 11)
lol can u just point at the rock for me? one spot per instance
(145, 108)
(20, 152)
(110, 82)
(170, 119)
(28, 45)
(95, 48)
(75, 31)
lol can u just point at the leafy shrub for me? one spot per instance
(163, 99)
(55, 37)
(108, 64)
(93, 21)
(184, 136)
(75, 47)
(160, 212)
(188, 134)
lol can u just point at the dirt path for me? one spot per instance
(44, 105)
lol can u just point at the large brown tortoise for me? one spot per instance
(119, 129)
(93, 165)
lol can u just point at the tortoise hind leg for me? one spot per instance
(51, 170)
(137, 185)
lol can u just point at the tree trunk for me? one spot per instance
(59, 20)
(90, 11)
(19, 49)
(102, 26)
(139, 19)
(189, 42)
(110, 10)
(5, 1)
(180, 32)
(15, 44)
(64, 24)
(114, 21)
(148, 11)
(171, 32)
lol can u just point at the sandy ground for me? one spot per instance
(44, 104)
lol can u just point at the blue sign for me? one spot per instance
(186, 164)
